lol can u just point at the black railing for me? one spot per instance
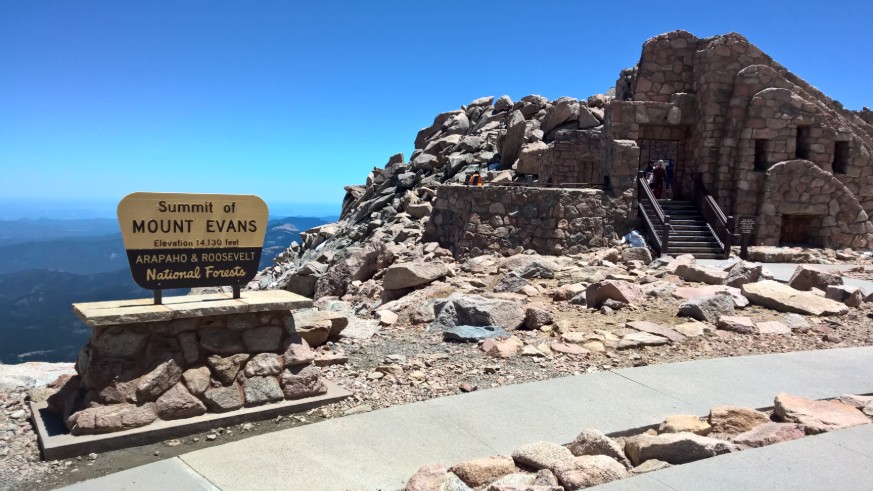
(721, 226)
(659, 241)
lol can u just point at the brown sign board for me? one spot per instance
(176, 240)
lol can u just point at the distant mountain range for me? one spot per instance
(46, 265)
(27, 230)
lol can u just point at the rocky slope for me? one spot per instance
(386, 217)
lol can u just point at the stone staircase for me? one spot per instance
(689, 232)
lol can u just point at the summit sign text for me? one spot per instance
(192, 240)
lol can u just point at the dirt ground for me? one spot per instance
(426, 367)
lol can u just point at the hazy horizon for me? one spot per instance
(74, 209)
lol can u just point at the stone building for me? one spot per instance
(747, 139)
(763, 142)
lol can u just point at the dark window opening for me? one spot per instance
(801, 147)
(761, 155)
(841, 157)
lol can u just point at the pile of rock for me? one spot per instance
(130, 375)
(502, 138)
(594, 458)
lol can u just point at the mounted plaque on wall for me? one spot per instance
(178, 240)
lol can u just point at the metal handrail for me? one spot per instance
(649, 229)
(720, 225)
(644, 194)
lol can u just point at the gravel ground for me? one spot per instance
(430, 368)
(405, 363)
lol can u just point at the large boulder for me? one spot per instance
(197, 380)
(852, 296)
(317, 326)
(427, 478)
(510, 144)
(226, 368)
(502, 348)
(118, 341)
(478, 472)
(408, 275)
(356, 263)
(223, 399)
(298, 353)
(679, 423)
(593, 442)
(537, 316)
(675, 448)
(419, 210)
(769, 433)
(588, 470)
(783, 298)
(178, 403)
(742, 272)
(114, 417)
(587, 117)
(565, 109)
(264, 364)
(159, 380)
(306, 382)
(531, 158)
(817, 416)
(475, 310)
(686, 259)
(540, 455)
(701, 274)
(806, 278)
(642, 254)
(260, 390)
(503, 103)
(618, 290)
(220, 341)
(707, 309)
(263, 338)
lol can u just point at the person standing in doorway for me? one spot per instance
(659, 176)
(669, 179)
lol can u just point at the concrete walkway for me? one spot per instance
(784, 271)
(381, 449)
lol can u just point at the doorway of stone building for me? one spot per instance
(797, 230)
(666, 151)
(667, 142)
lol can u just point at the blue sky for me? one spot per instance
(291, 101)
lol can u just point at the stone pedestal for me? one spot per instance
(193, 355)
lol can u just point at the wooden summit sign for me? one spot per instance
(192, 240)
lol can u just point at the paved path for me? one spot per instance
(381, 449)
(784, 271)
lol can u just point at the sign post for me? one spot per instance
(747, 228)
(176, 240)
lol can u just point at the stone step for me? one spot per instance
(684, 221)
(713, 253)
(698, 255)
(694, 245)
